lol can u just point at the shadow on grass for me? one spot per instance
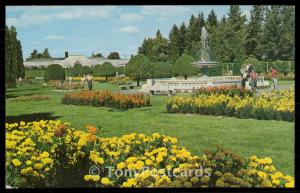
(15, 96)
(22, 90)
(31, 117)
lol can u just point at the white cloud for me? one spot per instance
(33, 15)
(35, 43)
(129, 29)
(130, 17)
(54, 37)
(162, 11)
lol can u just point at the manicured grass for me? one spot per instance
(247, 137)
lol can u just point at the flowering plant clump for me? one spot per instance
(227, 90)
(106, 98)
(53, 154)
(278, 105)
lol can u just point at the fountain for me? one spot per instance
(174, 85)
(205, 62)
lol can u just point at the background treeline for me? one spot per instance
(14, 67)
(269, 35)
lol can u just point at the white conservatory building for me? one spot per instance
(72, 59)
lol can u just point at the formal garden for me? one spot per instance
(62, 133)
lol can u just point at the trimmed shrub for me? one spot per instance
(54, 72)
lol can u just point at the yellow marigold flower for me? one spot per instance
(290, 184)
(253, 164)
(276, 182)
(105, 181)
(121, 165)
(266, 183)
(288, 178)
(165, 139)
(262, 175)
(148, 162)
(139, 165)
(187, 184)
(44, 154)
(205, 179)
(278, 175)
(38, 166)
(131, 159)
(26, 171)
(159, 159)
(194, 180)
(22, 123)
(174, 140)
(146, 174)
(169, 167)
(47, 161)
(93, 178)
(28, 162)
(47, 169)
(16, 162)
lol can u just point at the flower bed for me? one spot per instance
(289, 76)
(52, 154)
(106, 98)
(31, 98)
(279, 105)
(227, 90)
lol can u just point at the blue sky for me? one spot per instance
(87, 29)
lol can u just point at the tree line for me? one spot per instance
(14, 67)
(269, 35)
(45, 55)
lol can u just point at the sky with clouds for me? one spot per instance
(87, 29)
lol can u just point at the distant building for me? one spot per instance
(72, 59)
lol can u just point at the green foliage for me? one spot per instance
(77, 69)
(113, 55)
(46, 53)
(183, 66)
(138, 68)
(54, 72)
(87, 70)
(161, 70)
(36, 55)
(99, 55)
(279, 33)
(106, 69)
(14, 67)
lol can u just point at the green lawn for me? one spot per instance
(247, 137)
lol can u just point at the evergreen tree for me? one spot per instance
(14, 54)
(182, 39)
(272, 33)
(21, 69)
(287, 41)
(14, 67)
(212, 20)
(46, 53)
(254, 33)
(160, 48)
(9, 78)
(174, 44)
